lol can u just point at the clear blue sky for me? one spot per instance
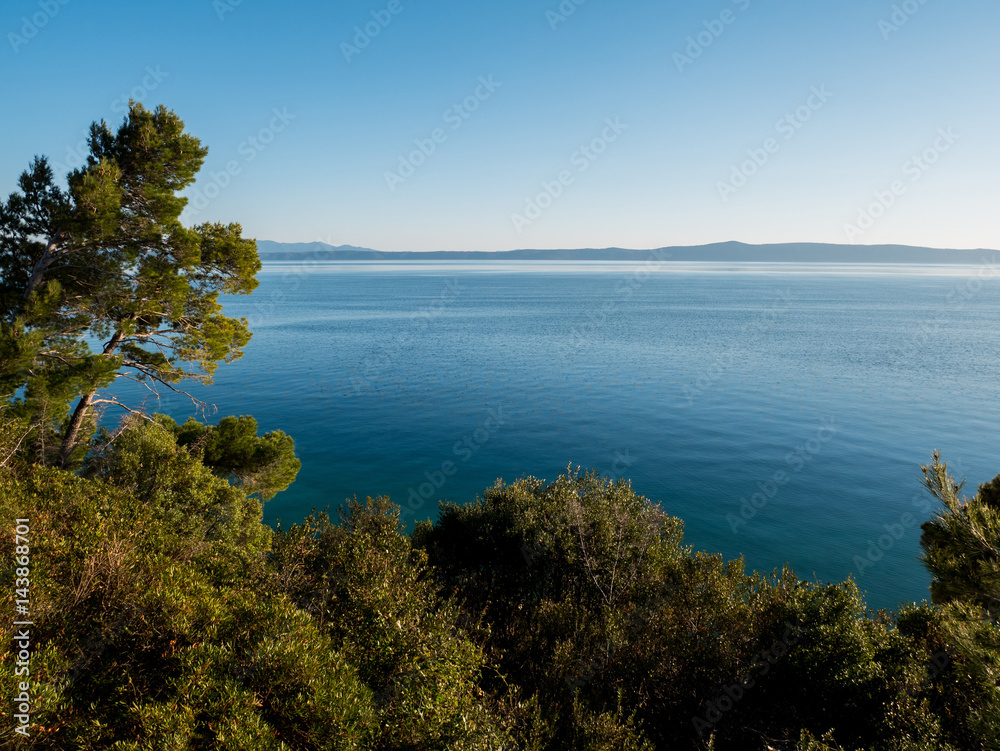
(689, 113)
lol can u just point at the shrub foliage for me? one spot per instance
(542, 616)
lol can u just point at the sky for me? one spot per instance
(432, 125)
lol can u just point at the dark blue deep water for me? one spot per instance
(781, 412)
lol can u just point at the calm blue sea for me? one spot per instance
(782, 412)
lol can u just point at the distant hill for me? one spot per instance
(733, 252)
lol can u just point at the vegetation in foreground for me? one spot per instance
(562, 615)
(543, 616)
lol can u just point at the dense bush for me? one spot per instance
(369, 591)
(151, 630)
(543, 616)
(591, 606)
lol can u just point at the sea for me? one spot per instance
(781, 411)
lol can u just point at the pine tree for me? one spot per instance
(962, 543)
(108, 259)
(962, 551)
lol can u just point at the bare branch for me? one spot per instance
(117, 403)
(13, 451)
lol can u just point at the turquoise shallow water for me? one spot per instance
(780, 412)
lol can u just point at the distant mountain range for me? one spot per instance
(732, 252)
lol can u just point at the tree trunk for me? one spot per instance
(83, 407)
(75, 423)
(37, 273)
(42, 265)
